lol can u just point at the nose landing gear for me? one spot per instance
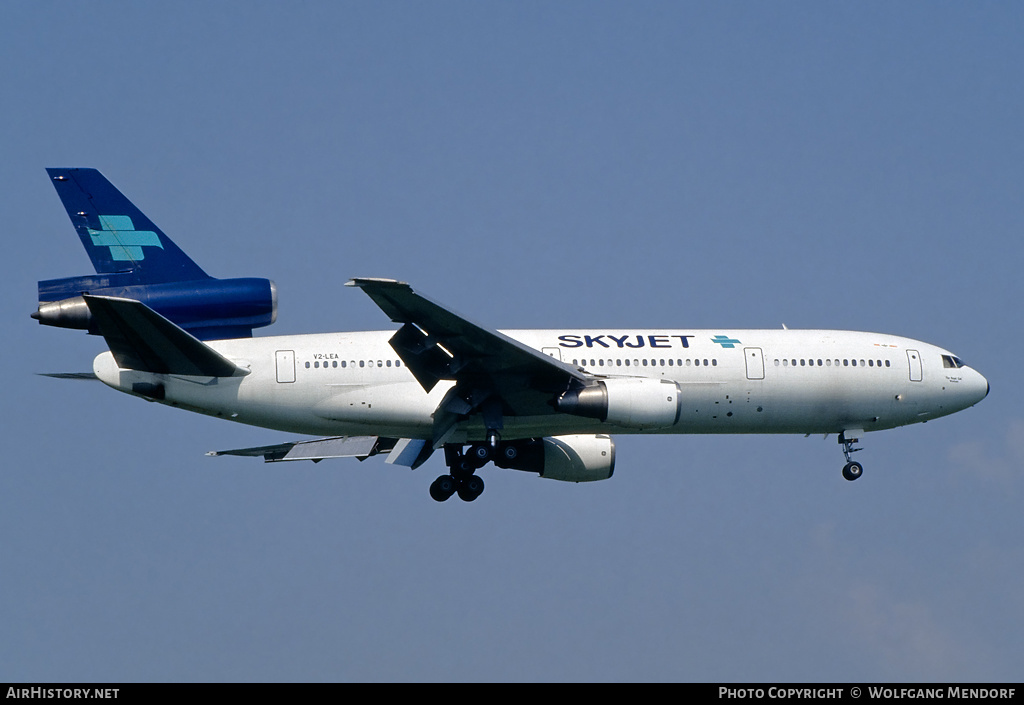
(852, 470)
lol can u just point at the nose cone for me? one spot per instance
(979, 387)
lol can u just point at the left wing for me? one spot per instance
(405, 451)
(494, 375)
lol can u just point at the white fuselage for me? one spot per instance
(740, 381)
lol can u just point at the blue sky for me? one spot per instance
(532, 164)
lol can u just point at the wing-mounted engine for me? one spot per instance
(636, 402)
(566, 458)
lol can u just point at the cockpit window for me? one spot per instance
(952, 361)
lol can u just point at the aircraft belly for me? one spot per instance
(402, 405)
(754, 406)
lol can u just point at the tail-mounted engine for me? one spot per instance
(206, 308)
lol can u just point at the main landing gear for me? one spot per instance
(462, 479)
(852, 470)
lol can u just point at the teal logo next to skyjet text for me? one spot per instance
(124, 241)
(725, 341)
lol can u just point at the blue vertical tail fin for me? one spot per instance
(118, 237)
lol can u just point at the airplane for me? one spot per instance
(541, 401)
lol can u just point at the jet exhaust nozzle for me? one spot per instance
(66, 313)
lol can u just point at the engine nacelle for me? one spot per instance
(207, 308)
(634, 402)
(566, 458)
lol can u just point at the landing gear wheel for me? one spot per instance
(481, 454)
(852, 470)
(463, 466)
(471, 488)
(443, 488)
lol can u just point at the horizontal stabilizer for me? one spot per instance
(142, 339)
(70, 375)
(316, 450)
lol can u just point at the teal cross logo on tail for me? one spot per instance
(124, 241)
(725, 341)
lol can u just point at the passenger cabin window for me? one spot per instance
(948, 360)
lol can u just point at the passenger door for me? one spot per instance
(285, 366)
(914, 358)
(755, 363)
